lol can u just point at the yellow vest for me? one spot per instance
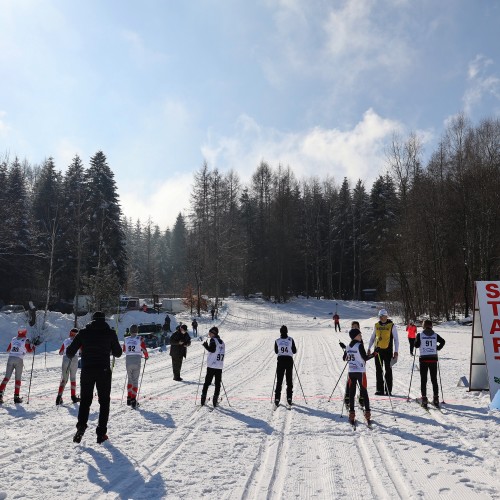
(383, 334)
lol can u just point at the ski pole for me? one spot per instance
(124, 385)
(442, 395)
(225, 393)
(386, 387)
(45, 354)
(340, 376)
(411, 376)
(140, 383)
(31, 374)
(199, 378)
(274, 383)
(300, 383)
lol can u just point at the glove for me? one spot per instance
(376, 350)
(342, 345)
(146, 355)
(439, 347)
(205, 344)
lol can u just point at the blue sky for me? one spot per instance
(162, 85)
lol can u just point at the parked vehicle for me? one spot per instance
(129, 304)
(62, 306)
(12, 308)
(152, 334)
(173, 305)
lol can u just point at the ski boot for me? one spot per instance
(289, 401)
(203, 400)
(129, 399)
(352, 417)
(1, 398)
(133, 403)
(425, 403)
(368, 417)
(59, 400)
(75, 399)
(17, 399)
(80, 431)
(102, 438)
(435, 401)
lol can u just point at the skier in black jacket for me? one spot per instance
(179, 341)
(97, 341)
(285, 348)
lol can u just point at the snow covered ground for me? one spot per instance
(170, 448)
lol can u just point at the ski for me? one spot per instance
(354, 424)
(288, 407)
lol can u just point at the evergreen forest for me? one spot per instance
(418, 237)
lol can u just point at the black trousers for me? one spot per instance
(432, 368)
(337, 325)
(383, 360)
(412, 345)
(211, 373)
(285, 366)
(176, 366)
(99, 377)
(354, 379)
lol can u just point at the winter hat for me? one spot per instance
(73, 332)
(354, 333)
(382, 312)
(214, 330)
(98, 315)
(284, 331)
(133, 330)
(184, 328)
(22, 332)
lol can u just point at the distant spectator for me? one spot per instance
(336, 321)
(194, 324)
(412, 333)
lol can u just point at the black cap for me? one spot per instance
(98, 315)
(354, 333)
(214, 330)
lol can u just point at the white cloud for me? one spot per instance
(480, 84)
(140, 52)
(354, 153)
(162, 200)
(4, 126)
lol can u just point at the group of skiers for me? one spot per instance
(97, 341)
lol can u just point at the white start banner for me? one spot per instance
(488, 297)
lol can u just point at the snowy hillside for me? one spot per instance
(170, 448)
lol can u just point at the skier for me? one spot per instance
(97, 341)
(285, 348)
(412, 332)
(133, 347)
(18, 347)
(179, 341)
(336, 321)
(212, 312)
(166, 325)
(69, 367)
(215, 362)
(354, 326)
(194, 324)
(429, 343)
(384, 335)
(356, 356)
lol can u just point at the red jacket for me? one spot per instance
(412, 331)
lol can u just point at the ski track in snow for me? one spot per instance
(170, 448)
